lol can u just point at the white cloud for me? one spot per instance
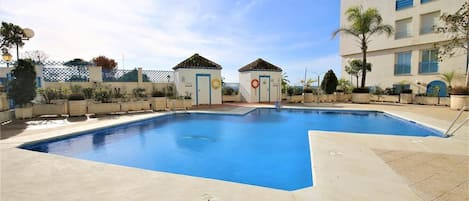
(154, 34)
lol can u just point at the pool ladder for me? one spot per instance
(448, 133)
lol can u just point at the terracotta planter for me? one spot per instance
(24, 113)
(179, 104)
(459, 101)
(426, 100)
(444, 101)
(77, 107)
(49, 109)
(231, 98)
(406, 98)
(3, 102)
(158, 103)
(308, 97)
(103, 108)
(5, 116)
(135, 106)
(295, 99)
(390, 98)
(360, 98)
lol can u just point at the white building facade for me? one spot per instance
(260, 81)
(200, 79)
(409, 56)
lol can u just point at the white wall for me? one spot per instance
(185, 82)
(251, 95)
(382, 49)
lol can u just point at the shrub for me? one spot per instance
(364, 90)
(406, 91)
(329, 82)
(117, 93)
(460, 91)
(88, 92)
(76, 96)
(228, 91)
(156, 93)
(308, 90)
(23, 85)
(187, 97)
(139, 93)
(290, 91)
(103, 95)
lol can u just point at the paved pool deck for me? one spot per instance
(345, 166)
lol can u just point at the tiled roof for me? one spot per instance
(260, 65)
(198, 62)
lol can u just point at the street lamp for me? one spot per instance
(6, 56)
(27, 33)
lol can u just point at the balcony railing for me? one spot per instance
(401, 4)
(428, 67)
(400, 69)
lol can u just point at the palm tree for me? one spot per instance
(364, 24)
(285, 82)
(448, 78)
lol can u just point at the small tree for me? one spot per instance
(345, 85)
(456, 26)
(10, 35)
(448, 78)
(37, 56)
(23, 85)
(354, 68)
(106, 64)
(364, 24)
(329, 82)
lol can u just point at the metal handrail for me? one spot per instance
(447, 133)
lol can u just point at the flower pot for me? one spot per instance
(406, 98)
(295, 99)
(103, 108)
(360, 98)
(231, 98)
(135, 106)
(158, 103)
(77, 107)
(24, 113)
(308, 97)
(426, 100)
(49, 109)
(339, 96)
(459, 101)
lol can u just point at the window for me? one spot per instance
(428, 21)
(429, 63)
(403, 28)
(401, 4)
(402, 65)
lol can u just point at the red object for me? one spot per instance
(255, 83)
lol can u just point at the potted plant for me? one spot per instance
(361, 95)
(308, 95)
(103, 102)
(459, 97)
(158, 100)
(295, 94)
(139, 103)
(23, 88)
(187, 101)
(77, 104)
(406, 96)
(48, 105)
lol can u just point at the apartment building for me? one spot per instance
(409, 56)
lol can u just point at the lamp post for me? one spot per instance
(27, 33)
(6, 56)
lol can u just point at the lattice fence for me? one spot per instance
(54, 71)
(159, 76)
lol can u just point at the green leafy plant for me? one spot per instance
(448, 78)
(361, 90)
(344, 85)
(329, 82)
(76, 96)
(88, 92)
(228, 91)
(354, 68)
(363, 25)
(156, 93)
(139, 93)
(23, 85)
(103, 95)
(49, 94)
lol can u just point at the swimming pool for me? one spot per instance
(266, 147)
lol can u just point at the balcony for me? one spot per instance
(401, 4)
(428, 67)
(401, 69)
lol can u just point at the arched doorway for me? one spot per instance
(437, 85)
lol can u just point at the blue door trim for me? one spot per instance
(260, 84)
(197, 87)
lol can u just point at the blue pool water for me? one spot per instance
(266, 147)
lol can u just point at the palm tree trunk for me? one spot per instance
(364, 48)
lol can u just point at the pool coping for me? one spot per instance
(313, 134)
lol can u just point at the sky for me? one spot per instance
(158, 34)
